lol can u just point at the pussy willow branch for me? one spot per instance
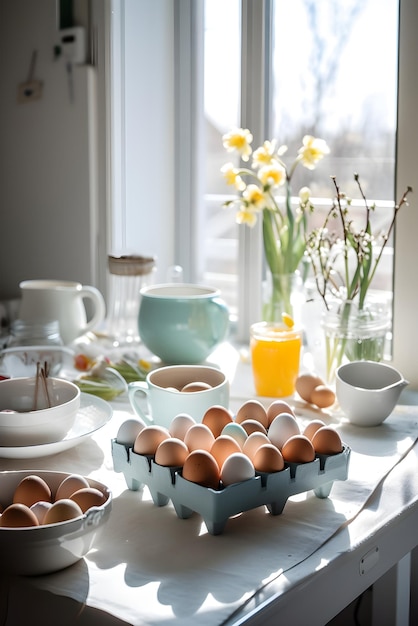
(403, 200)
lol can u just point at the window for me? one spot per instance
(328, 78)
(225, 250)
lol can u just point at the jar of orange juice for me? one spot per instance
(275, 355)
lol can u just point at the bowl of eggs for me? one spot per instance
(48, 520)
(36, 410)
(227, 464)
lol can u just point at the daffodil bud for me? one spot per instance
(304, 195)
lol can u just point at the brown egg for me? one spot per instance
(223, 447)
(252, 410)
(216, 418)
(322, 396)
(253, 426)
(171, 452)
(71, 483)
(18, 515)
(312, 427)
(277, 407)
(88, 497)
(31, 489)
(199, 437)
(305, 384)
(253, 442)
(62, 511)
(195, 386)
(200, 467)
(148, 440)
(298, 449)
(268, 458)
(326, 440)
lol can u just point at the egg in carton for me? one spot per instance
(216, 506)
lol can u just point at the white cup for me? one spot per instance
(63, 301)
(164, 400)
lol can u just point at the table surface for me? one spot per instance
(150, 567)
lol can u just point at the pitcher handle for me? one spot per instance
(99, 308)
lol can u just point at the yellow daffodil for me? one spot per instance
(255, 197)
(238, 139)
(265, 154)
(272, 175)
(232, 177)
(284, 229)
(312, 151)
(246, 216)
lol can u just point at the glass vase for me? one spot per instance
(353, 334)
(282, 293)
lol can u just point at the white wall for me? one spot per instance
(48, 158)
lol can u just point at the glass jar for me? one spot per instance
(34, 333)
(128, 275)
(32, 342)
(353, 334)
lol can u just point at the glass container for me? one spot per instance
(128, 275)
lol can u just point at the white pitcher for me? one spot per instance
(63, 301)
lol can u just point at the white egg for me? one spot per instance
(237, 432)
(282, 428)
(129, 430)
(40, 508)
(237, 468)
(180, 425)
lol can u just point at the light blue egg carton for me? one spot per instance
(217, 506)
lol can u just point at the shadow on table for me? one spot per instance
(21, 602)
(190, 564)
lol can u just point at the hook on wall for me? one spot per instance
(31, 89)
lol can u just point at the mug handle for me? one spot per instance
(139, 386)
(99, 313)
(220, 316)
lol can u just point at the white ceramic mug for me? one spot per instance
(63, 301)
(165, 401)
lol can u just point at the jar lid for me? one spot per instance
(131, 265)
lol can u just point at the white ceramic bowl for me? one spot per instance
(367, 391)
(20, 425)
(45, 549)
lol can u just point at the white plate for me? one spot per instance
(93, 414)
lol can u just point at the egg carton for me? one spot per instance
(217, 506)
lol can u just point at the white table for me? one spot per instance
(149, 567)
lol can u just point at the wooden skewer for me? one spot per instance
(35, 400)
(42, 373)
(45, 376)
